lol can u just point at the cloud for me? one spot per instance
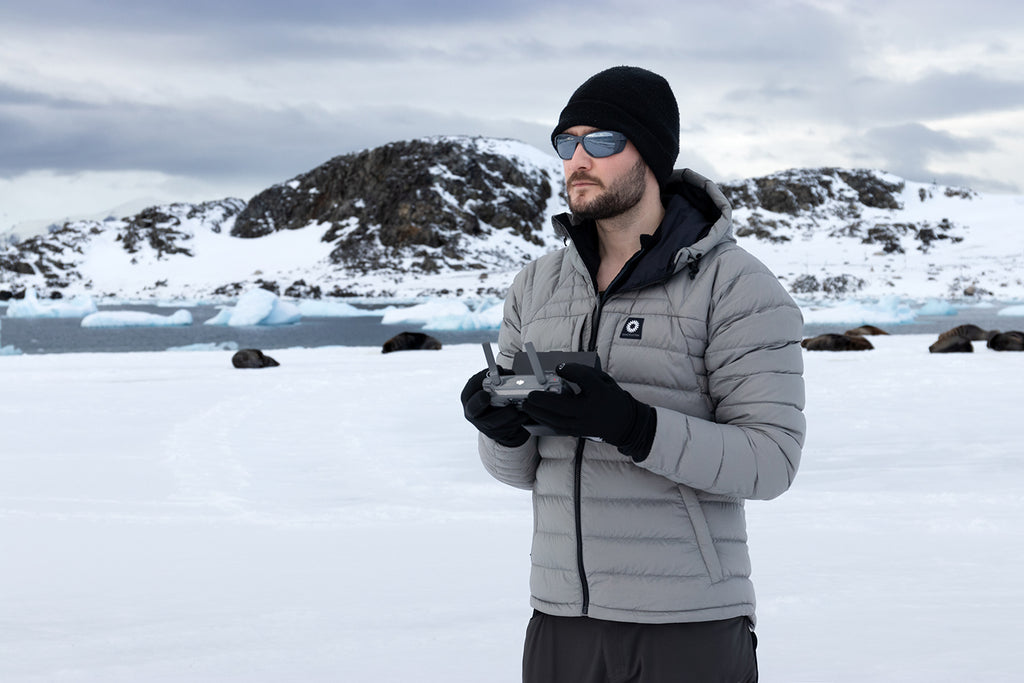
(255, 92)
(212, 138)
(130, 14)
(935, 96)
(913, 143)
(909, 150)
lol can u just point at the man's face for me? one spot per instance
(600, 188)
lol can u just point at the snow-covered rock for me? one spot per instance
(458, 217)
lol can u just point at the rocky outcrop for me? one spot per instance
(778, 207)
(868, 215)
(53, 261)
(802, 190)
(407, 204)
(459, 216)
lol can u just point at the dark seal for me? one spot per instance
(865, 330)
(969, 331)
(411, 341)
(837, 342)
(1007, 341)
(952, 344)
(252, 358)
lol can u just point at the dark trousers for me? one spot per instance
(583, 650)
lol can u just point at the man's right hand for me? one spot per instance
(503, 424)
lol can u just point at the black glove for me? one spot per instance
(503, 424)
(601, 409)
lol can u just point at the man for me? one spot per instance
(640, 568)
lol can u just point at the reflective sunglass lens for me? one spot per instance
(604, 143)
(599, 144)
(600, 147)
(565, 145)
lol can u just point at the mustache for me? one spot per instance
(581, 176)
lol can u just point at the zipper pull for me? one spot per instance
(694, 265)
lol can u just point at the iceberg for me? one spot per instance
(257, 307)
(446, 315)
(283, 313)
(1012, 311)
(488, 318)
(31, 307)
(424, 313)
(937, 307)
(332, 309)
(180, 318)
(887, 310)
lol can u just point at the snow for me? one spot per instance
(136, 319)
(219, 259)
(990, 257)
(167, 518)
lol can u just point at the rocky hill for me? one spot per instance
(841, 233)
(459, 216)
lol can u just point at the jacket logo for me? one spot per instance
(633, 329)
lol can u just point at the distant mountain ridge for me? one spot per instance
(459, 216)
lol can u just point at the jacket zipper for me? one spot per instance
(577, 488)
(576, 495)
(578, 471)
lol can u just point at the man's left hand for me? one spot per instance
(600, 409)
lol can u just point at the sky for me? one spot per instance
(114, 105)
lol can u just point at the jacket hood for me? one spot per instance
(697, 218)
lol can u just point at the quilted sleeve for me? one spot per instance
(513, 466)
(752, 447)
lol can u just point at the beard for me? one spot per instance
(618, 198)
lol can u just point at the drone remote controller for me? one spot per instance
(513, 389)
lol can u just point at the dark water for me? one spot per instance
(42, 335)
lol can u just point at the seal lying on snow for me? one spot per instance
(969, 331)
(951, 344)
(958, 340)
(865, 330)
(1007, 341)
(837, 342)
(411, 341)
(252, 358)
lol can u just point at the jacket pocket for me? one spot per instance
(702, 533)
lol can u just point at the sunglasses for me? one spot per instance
(599, 144)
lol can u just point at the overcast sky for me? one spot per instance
(104, 102)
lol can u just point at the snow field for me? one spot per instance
(166, 517)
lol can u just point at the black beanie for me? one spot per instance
(635, 102)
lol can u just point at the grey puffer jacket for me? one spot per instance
(701, 330)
